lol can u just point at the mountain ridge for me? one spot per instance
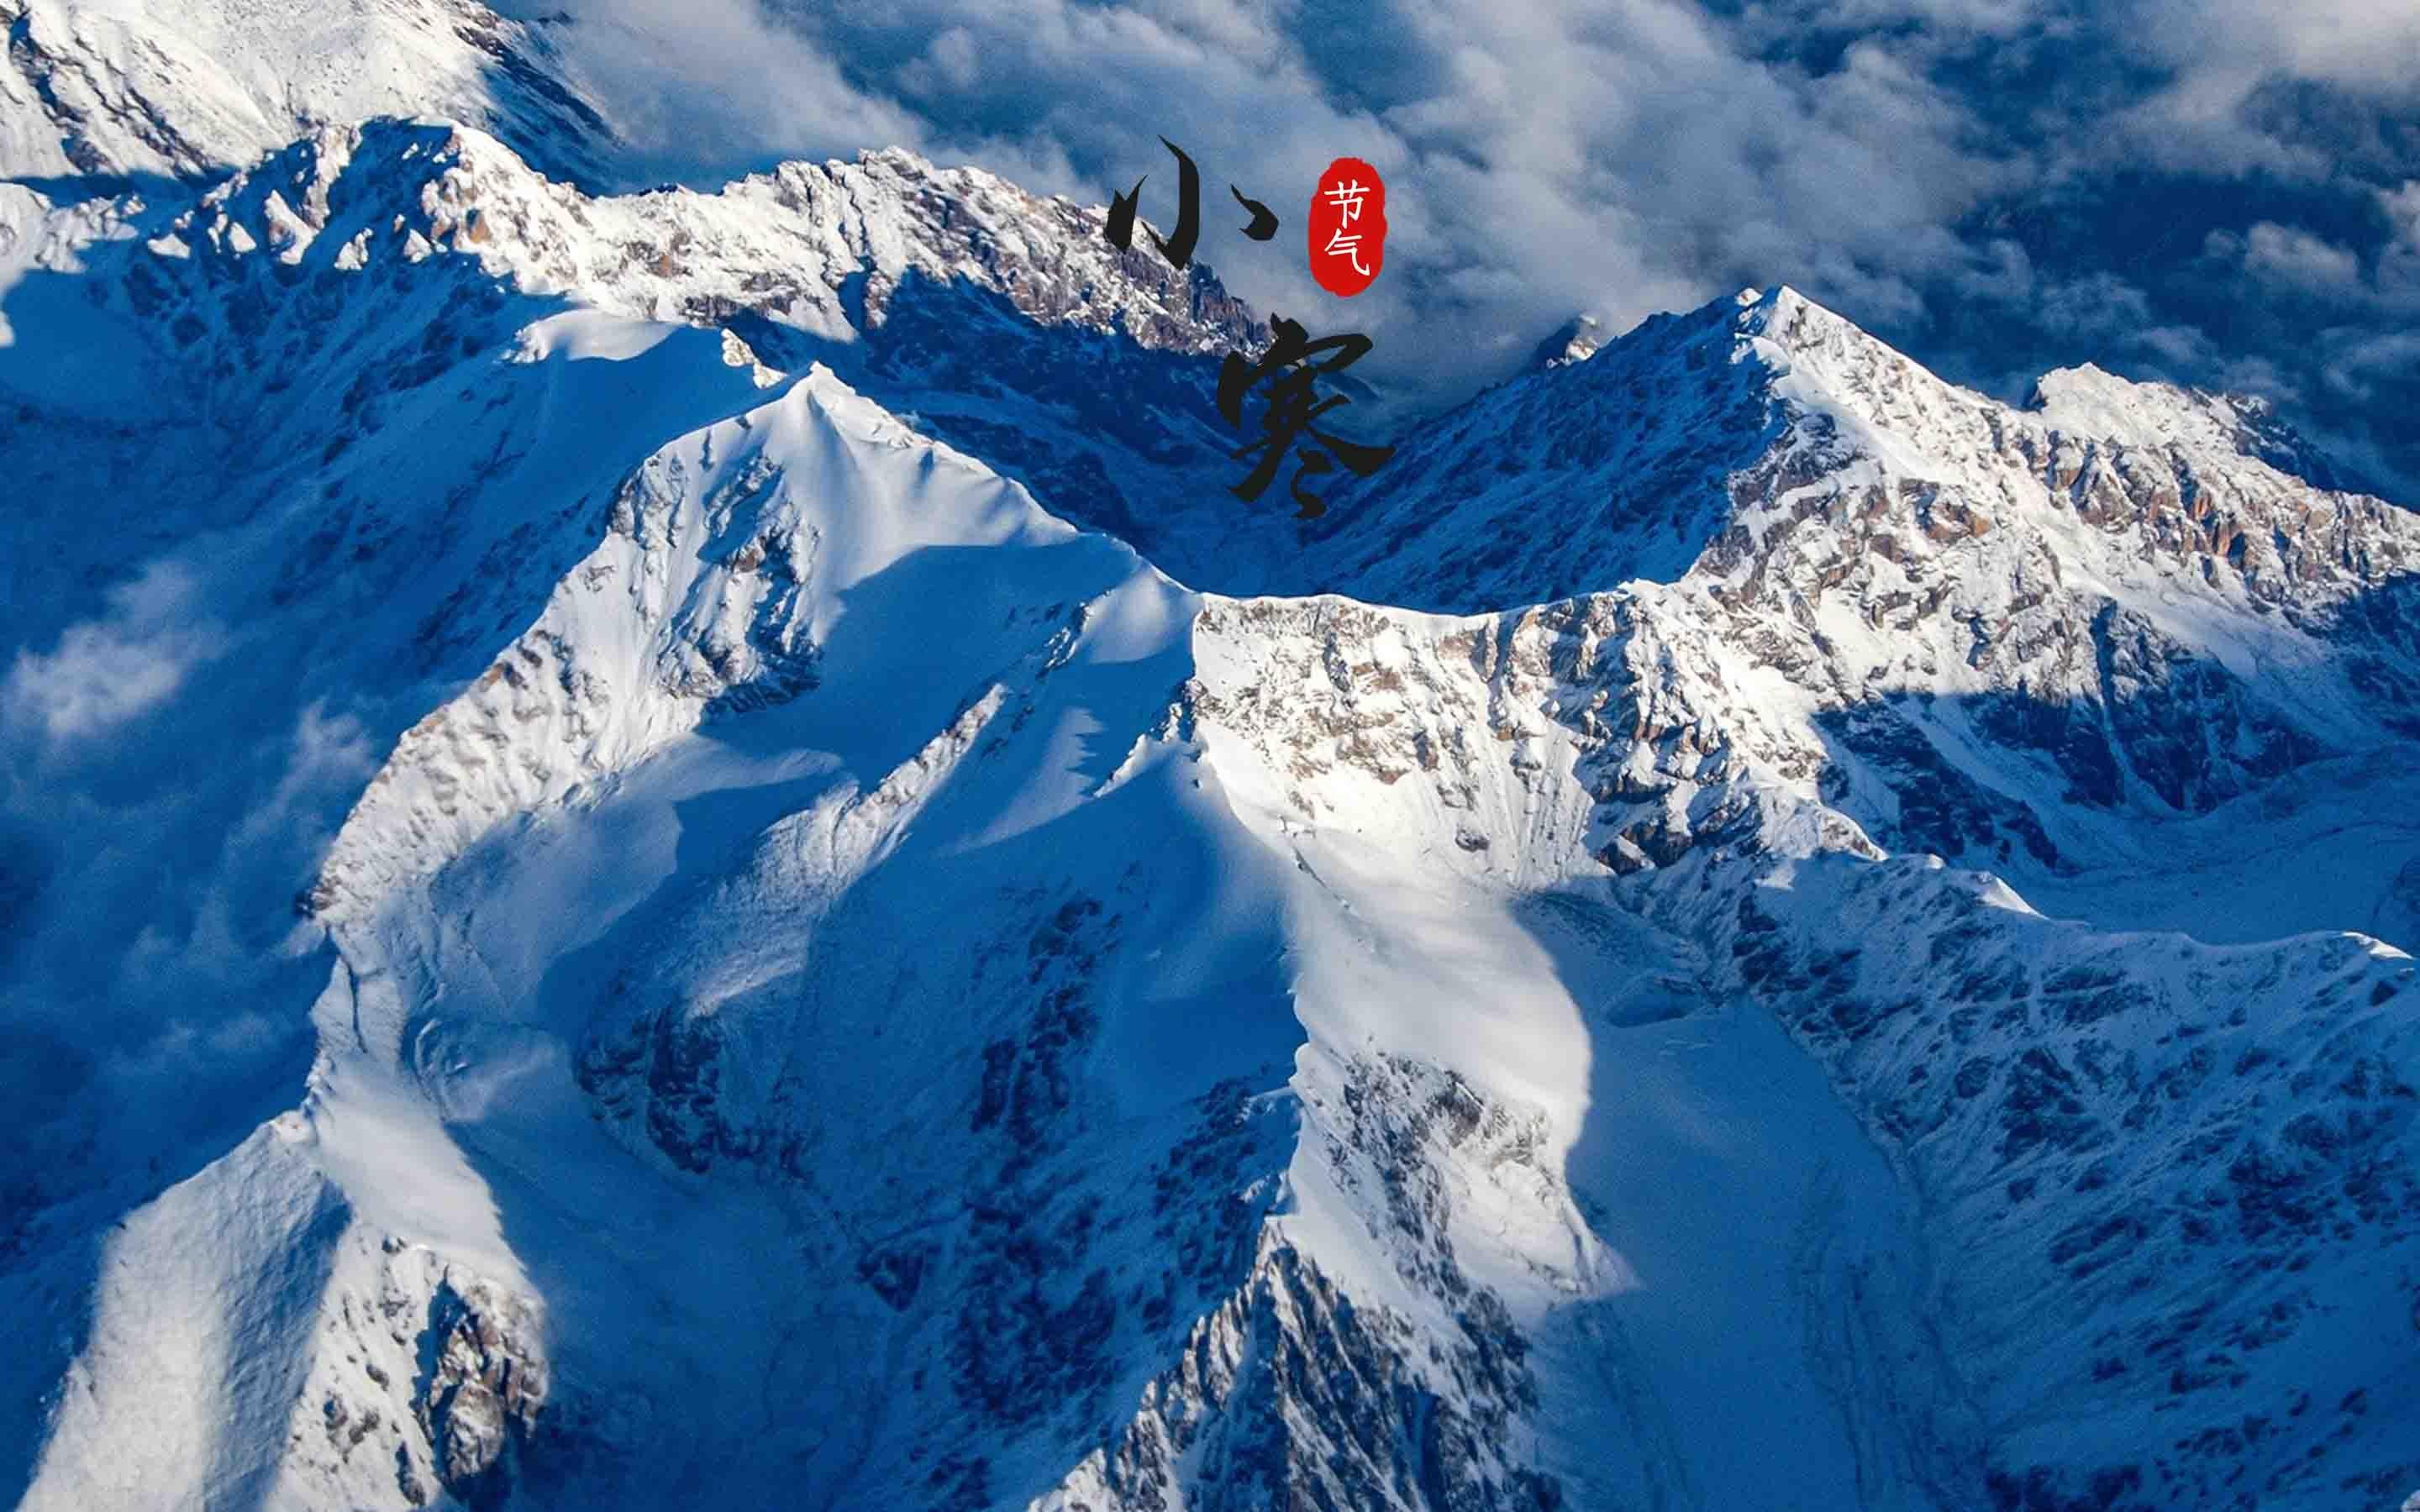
(840, 978)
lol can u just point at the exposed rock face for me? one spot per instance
(482, 1388)
(1288, 1394)
(2092, 1123)
(848, 986)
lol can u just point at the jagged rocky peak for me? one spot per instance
(1877, 458)
(1857, 527)
(1576, 340)
(1781, 313)
(820, 250)
(1841, 365)
(2087, 400)
(1048, 255)
(1582, 476)
(1818, 362)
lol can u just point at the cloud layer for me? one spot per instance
(2220, 192)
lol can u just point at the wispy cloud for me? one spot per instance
(107, 671)
(137, 958)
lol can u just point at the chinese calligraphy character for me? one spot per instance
(1348, 228)
(1265, 221)
(1349, 209)
(1291, 410)
(1178, 248)
(1347, 197)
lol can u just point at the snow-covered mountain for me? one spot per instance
(138, 89)
(1739, 927)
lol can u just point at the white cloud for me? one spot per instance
(2398, 261)
(2002, 271)
(2355, 367)
(2367, 45)
(2187, 347)
(2292, 255)
(2402, 208)
(721, 83)
(105, 672)
(2097, 307)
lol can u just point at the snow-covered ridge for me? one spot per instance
(2117, 593)
(722, 573)
(1682, 435)
(820, 250)
(138, 88)
(2086, 400)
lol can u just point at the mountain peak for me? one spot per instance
(2087, 400)
(821, 251)
(1576, 340)
(1790, 318)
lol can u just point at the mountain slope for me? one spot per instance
(132, 89)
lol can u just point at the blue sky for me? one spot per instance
(2218, 192)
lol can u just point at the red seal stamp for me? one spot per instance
(1348, 228)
